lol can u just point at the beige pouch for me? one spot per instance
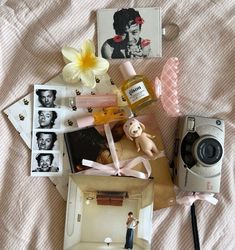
(164, 195)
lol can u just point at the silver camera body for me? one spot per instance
(199, 150)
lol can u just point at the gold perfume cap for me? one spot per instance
(127, 70)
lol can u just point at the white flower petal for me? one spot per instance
(69, 54)
(71, 73)
(88, 47)
(102, 66)
(88, 79)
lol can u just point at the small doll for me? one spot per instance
(134, 130)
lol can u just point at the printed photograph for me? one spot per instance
(91, 144)
(47, 138)
(129, 138)
(129, 33)
(45, 162)
(82, 144)
(47, 98)
(47, 119)
(44, 140)
(127, 206)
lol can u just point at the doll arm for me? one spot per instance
(150, 136)
(137, 145)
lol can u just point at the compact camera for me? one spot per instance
(199, 150)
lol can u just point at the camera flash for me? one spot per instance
(191, 123)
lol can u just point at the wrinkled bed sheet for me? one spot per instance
(32, 212)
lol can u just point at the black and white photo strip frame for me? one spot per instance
(47, 129)
(129, 33)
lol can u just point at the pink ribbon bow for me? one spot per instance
(190, 199)
(125, 168)
(117, 167)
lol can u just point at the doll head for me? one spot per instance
(133, 128)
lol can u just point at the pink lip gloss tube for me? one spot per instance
(96, 101)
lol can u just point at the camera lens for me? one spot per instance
(209, 151)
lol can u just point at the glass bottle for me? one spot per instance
(104, 116)
(136, 89)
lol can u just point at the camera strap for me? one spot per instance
(195, 228)
(189, 200)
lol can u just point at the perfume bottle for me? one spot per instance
(106, 115)
(136, 89)
(94, 101)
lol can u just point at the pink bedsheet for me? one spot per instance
(32, 212)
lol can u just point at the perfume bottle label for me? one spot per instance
(136, 92)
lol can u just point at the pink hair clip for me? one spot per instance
(166, 87)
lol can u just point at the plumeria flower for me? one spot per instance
(83, 64)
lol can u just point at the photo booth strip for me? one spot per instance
(47, 136)
(25, 105)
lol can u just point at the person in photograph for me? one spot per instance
(93, 146)
(46, 140)
(131, 226)
(44, 162)
(127, 42)
(46, 97)
(46, 119)
(90, 144)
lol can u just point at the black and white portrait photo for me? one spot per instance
(47, 98)
(47, 119)
(45, 141)
(45, 162)
(129, 33)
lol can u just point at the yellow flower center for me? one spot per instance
(86, 61)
